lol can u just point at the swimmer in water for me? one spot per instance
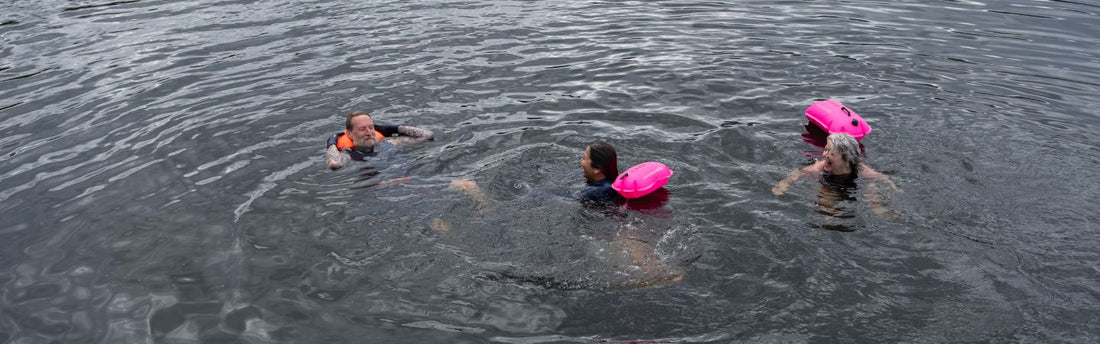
(841, 164)
(599, 166)
(362, 134)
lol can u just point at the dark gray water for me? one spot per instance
(161, 177)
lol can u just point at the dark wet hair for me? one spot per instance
(602, 156)
(347, 122)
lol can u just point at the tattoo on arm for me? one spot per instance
(335, 158)
(417, 134)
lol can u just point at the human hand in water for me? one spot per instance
(778, 190)
(469, 187)
(463, 184)
(336, 158)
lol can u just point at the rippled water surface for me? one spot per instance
(162, 178)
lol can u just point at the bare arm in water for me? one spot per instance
(794, 176)
(335, 157)
(875, 194)
(470, 187)
(871, 174)
(411, 134)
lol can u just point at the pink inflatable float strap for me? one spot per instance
(641, 179)
(833, 117)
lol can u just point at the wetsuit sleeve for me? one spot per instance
(405, 133)
(590, 194)
(598, 194)
(385, 129)
(332, 140)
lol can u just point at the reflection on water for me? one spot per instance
(161, 180)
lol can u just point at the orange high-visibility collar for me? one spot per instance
(344, 141)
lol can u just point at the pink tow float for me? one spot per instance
(642, 179)
(833, 117)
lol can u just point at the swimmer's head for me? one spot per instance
(360, 127)
(844, 147)
(347, 122)
(600, 160)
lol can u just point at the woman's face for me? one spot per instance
(834, 162)
(586, 166)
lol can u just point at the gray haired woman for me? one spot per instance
(839, 162)
(841, 156)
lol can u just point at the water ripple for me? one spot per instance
(161, 173)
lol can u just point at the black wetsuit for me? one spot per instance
(599, 191)
(386, 130)
(845, 180)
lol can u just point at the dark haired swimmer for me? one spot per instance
(362, 134)
(600, 166)
(841, 164)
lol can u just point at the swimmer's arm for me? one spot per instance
(412, 134)
(876, 200)
(336, 158)
(794, 176)
(875, 197)
(871, 174)
(470, 187)
(385, 183)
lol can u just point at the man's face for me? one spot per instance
(362, 131)
(590, 174)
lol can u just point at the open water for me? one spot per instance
(161, 178)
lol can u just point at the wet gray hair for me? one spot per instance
(848, 148)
